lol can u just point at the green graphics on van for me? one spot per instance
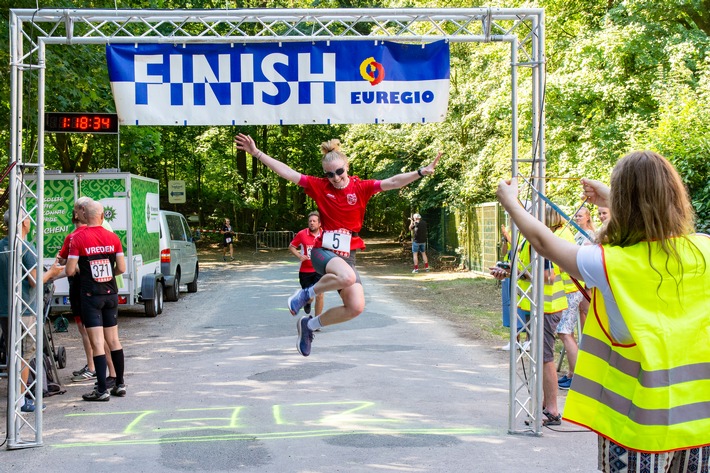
(145, 205)
(111, 193)
(58, 206)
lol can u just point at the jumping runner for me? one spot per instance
(341, 200)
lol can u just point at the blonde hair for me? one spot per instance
(585, 211)
(331, 151)
(553, 219)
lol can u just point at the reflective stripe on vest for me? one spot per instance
(652, 395)
(555, 298)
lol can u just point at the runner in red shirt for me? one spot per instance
(341, 200)
(97, 256)
(301, 247)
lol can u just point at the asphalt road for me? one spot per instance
(215, 384)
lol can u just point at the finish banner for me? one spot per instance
(287, 83)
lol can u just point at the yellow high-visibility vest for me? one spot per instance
(651, 394)
(555, 296)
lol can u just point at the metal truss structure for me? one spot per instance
(31, 31)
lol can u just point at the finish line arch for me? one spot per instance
(31, 31)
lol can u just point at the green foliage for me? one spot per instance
(621, 75)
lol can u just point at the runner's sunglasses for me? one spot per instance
(331, 175)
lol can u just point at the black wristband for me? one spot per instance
(419, 171)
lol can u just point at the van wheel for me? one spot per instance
(152, 306)
(161, 300)
(173, 292)
(192, 286)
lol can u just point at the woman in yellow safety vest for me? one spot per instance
(642, 380)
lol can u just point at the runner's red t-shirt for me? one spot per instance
(64, 251)
(96, 249)
(341, 208)
(306, 241)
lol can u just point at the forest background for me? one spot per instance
(621, 75)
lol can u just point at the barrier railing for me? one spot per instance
(273, 240)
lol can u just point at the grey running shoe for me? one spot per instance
(81, 371)
(85, 376)
(297, 301)
(305, 336)
(118, 390)
(97, 396)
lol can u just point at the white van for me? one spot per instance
(178, 255)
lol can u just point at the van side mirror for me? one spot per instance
(196, 235)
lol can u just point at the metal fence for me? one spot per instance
(273, 240)
(472, 234)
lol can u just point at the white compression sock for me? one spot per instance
(311, 292)
(314, 324)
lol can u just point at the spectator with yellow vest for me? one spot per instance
(554, 305)
(568, 321)
(642, 376)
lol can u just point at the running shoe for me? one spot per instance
(29, 406)
(118, 390)
(96, 396)
(85, 376)
(414, 271)
(110, 382)
(297, 301)
(305, 336)
(307, 308)
(565, 382)
(81, 371)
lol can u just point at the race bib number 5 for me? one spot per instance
(101, 270)
(338, 241)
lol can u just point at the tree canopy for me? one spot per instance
(621, 75)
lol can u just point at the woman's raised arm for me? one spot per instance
(246, 143)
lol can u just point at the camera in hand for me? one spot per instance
(503, 265)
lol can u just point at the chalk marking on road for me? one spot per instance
(278, 408)
(338, 413)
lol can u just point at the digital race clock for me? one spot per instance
(71, 122)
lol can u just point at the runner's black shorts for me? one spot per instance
(99, 311)
(308, 279)
(321, 256)
(75, 298)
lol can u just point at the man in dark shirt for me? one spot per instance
(419, 240)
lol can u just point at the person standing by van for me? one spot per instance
(227, 240)
(96, 255)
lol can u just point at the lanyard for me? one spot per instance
(560, 211)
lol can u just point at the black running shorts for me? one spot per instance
(320, 258)
(99, 311)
